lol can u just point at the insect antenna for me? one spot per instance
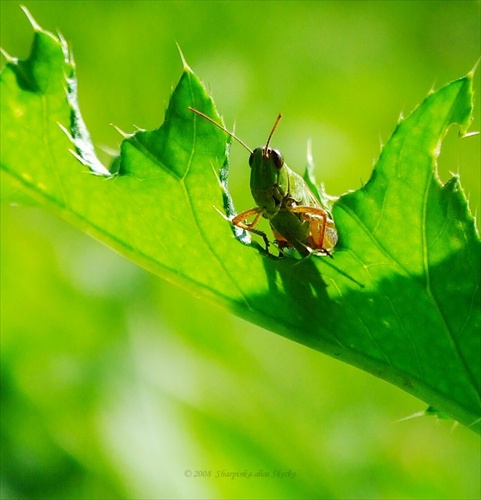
(228, 132)
(278, 119)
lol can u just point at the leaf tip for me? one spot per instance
(125, 135)
(428, 412)
(381, 145)
(184, 62)
(309, 157)
(475, 67)
(7, 56)
(467, 134)
(68, 54)
(31, 19)
(65, 131)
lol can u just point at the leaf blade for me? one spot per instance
(160, 211)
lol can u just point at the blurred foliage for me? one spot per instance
(114, 383)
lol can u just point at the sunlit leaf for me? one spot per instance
(400, 299)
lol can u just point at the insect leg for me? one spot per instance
(280, 241)
(312, 213)
(319, 221)
(240, 221)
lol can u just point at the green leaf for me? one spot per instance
(400, 299)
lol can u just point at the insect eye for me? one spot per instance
(277, 159)
(251, 159)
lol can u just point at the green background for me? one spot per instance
(114, 383)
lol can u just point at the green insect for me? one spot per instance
(297, 218)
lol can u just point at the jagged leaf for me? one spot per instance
(400, 299)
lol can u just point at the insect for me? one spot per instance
(297, 218)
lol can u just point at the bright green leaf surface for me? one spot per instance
(400, 299)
